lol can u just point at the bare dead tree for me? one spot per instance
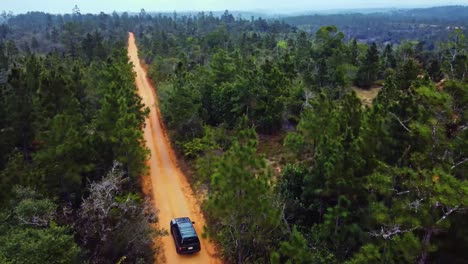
(389, 232)
(113, 222)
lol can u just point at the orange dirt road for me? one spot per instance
(173, 196)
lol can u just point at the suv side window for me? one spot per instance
(177, 233)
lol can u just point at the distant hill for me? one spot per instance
(447, 13)
(424, 24)
(438, 14)
(341, 11)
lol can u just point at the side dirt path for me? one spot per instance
(172, 193)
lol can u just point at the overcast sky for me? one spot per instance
(278, 6)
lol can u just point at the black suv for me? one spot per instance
(185, 237)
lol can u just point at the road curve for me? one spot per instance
(172, 193)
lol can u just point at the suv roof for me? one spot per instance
(185, 226)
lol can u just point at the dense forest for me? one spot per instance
(71, 151)
(264, 118)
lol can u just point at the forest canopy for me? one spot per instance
(264, 116)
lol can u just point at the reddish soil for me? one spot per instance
(172, 194)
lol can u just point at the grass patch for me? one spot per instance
(275, 153)
(367, 95)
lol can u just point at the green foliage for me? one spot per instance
(250, 222)
(120, 119)
(398, 151)
(222, 92)
(66, 116)
(16, 172)
(369, 69)
(162, 69)
(217, 38)
(64, 144)
(328, 54)
(290, 188)
(295, 142)
(282, 44)
(292, 181)
(3, 57)
(455, 53)
(93, 46)
(31, 245)
(194, 147)
(296, 251)
(353, 52)
(388, 58)
(18, 103)
(29, 233)
(182, 109)
(410, 203)
(407, 73)
(354, 165)
(435, 71)
(385, 183)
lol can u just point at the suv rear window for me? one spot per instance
(190, 240)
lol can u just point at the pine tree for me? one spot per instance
(249, 222)
(328, 54)
(353, 53)
(388, 58)
(297, 251)
(3, 58)
(34, 44)
(120, 119)
(369, 69)
(30, 234)
(417, 195)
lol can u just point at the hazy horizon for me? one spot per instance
(268, 6)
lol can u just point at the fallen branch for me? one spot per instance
(401, 123)
(459, 163)
(403, 192)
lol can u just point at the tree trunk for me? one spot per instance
(239, 254)
(426, 244)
